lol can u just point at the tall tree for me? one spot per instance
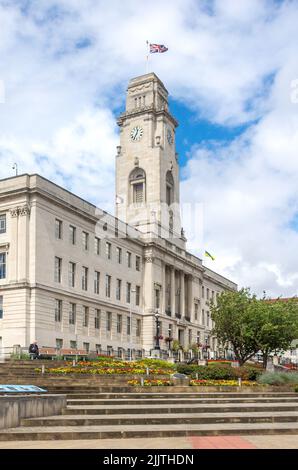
(236, 322)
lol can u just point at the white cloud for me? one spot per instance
(65, 67)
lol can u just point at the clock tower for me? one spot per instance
(147, 170)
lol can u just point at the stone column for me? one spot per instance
(173, 291)
(13, 248)
(163, 289)
(190, 298)
(23, 243)
(182, 294)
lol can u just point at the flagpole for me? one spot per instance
(147, 58)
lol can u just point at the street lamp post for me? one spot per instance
(157, 346)
(130, 321)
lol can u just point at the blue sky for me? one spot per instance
(232, 75)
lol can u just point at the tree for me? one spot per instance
(234, 315)
(278, 325)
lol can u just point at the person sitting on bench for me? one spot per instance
(33, 350)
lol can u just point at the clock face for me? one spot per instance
(136, 133)
(170, 136)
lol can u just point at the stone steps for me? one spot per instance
(144, 431)
(169, 400)
(163, 419)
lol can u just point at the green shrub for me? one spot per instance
(157, 363)
(219, 372)
(278, 378)
(296, 389)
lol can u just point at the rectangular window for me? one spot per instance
(97, 319)
(189, 336)
(207, 293)
(84, 278)
(203, 292)
(71, 274)
(119, 323)
(128, 257)
(138, 193)
(170, 330)
(128, 291)
(208, 318)
(72, 235)
(108, 285)
(85, 240)
(203, 317)
(58, 310)
(138, 263)
(108, 250)
(119, 254)
(59, 343)
(58, 229)
(73, 344)
(86, 346)
(138, 294)
(196, 311)
(3, 223)
(109, 321)
(98, 348)
(157, 298)
(118, 289)
(97, 246)
(96, 282)
(1, 307)
(2, 265)
(128, 329)
(58, 269)
(138, 329)
(85, 316)
(198, 338)
(72, 314)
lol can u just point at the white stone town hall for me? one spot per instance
(73, 276)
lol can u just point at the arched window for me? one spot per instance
(137, 181)
(169, 188)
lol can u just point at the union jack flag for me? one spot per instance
(157, 48)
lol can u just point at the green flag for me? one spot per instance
(209, 255)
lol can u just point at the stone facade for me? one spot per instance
(73, 275)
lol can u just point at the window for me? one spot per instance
(72, 314)
(96, 282)
(58, 310)
(207, 293)
(1, 307)
(203, 317)
(119, 255)
(198, 338)
(196, 311)
(3, 223)
(108, 250)
(169, 188)
(73, 344)
(128, 257)
(84, 278)
(98, 348)
(108, 285)
(58, 269)
(208, 318)
(138, 291)
(97, 246)
(59, 343)
(137, 180)
(86, 346)
(118, 289)
(85, 240)
(71, 274)
(97, 319)
(128, 326)
(72, 235)
(170, 330)
(85, 316)
(138, 263)
(138, 328)
(157, 298)
(203, 292)
(109, 321)
(2, 265)
(128, 291)
(189, 336)
(119, 323)
(58, 229)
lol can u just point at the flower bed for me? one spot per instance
(150, 383)
(221, 383)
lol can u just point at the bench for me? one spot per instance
(45, 352)
(73, 353)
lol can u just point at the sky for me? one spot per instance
(232, 74)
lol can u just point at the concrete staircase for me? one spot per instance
(101, 415)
